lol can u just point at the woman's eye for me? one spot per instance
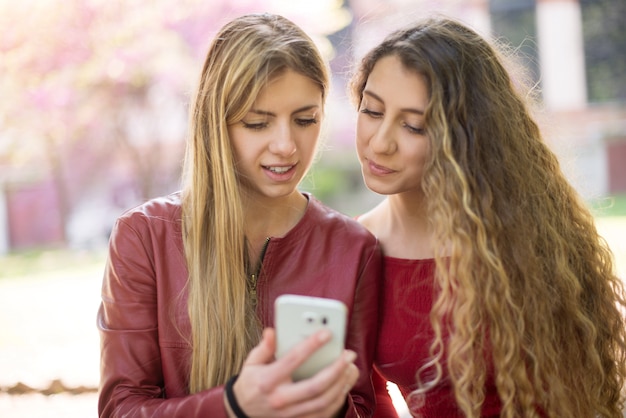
(414, 130)
(254, 126)
(306, 122)
(371, 113)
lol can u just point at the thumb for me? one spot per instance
(263, 353)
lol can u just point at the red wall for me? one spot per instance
(34, 218)
(616, 151)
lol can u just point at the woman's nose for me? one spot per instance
(383, 140)
(283, 142)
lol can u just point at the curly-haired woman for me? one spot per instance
(500, 297)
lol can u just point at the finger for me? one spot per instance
(327, 401)
(338, 394)
(352, 375)
(269, 336)
(283, 368)
(263, 353)
(315, 386)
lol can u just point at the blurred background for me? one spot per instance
(93, 114)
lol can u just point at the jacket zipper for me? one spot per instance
(254, 277)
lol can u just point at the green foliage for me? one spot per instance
(325, 181)
(605, 49)
(45, 261)
(611, 206)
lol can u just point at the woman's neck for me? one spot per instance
(272, 217)
(401, 223)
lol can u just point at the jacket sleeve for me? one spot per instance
(131, 374)
(363, 331)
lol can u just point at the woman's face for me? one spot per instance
(275, 142)
(391, 142)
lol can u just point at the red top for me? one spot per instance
(404, 339)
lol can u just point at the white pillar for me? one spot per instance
(561, 54)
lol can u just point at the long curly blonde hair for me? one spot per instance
(244, 56)
(525, 277)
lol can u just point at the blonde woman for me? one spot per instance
(500, 299)
(192, 277)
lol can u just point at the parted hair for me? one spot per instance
(524, 283)
(243, 57)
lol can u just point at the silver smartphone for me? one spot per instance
(297, 317)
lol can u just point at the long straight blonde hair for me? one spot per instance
(245, 54)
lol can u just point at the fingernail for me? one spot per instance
(324, 335)
(349, 356)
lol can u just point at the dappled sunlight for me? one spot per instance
(613, 230)
(48, 327)
(49, 345)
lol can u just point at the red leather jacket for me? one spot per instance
(144, 358)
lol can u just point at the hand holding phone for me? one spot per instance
(297, 317)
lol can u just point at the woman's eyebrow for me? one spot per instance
(378, 98)
(268, 113)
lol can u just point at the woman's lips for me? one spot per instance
(280, 173)
(379, 169)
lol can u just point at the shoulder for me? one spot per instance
(165, 207)
(158, 214)
(372, 218)
(368, 220)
